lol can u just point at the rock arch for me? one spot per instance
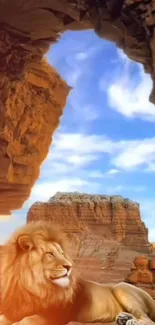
(30, 101)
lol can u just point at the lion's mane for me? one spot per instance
(16, 301)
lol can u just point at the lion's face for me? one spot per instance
(57, 267)
(46, 259)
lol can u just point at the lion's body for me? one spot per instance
(36, 279)
(105, 302)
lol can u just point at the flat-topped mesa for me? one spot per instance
(110, 216)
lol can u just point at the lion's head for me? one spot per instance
(36, 270)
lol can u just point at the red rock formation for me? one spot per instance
(31, 93)
(30, 109)
(31, 115)
(143, 274)
(111, 217)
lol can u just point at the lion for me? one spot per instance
(39, 284)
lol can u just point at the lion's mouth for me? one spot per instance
(66, 275)
(62, 281)
(58, 277)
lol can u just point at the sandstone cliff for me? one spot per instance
(32, 94)
(30, 110)
(110, 217)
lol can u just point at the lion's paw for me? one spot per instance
(126, 319)
(132, 321)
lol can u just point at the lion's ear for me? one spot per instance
(25, 243)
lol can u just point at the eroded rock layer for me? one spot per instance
(109, 216)
(32, 95)
(31, 103)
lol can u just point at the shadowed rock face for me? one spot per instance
(110, 217)
(31, 103)
(32, 95)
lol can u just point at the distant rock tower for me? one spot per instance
(143, 274)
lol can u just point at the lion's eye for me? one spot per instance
(50, 253)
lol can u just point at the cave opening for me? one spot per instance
(107, 108)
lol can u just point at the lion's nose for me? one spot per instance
(67, 267)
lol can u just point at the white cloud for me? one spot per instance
(72, 153)
(79, 160)
(128, 94)
(151, 167)
(76, 59)
(76, 151)
(122, 189)
(123, 56)
(96, 174)
(56, 167)
(82, 149)
(89, 112)
(86, 143)
(73, 77)
(44, 190)
(99, 174)
(113, 171)
(82, 108)
(136, 153)
(88, 53)
(81, 56)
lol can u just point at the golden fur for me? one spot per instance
(34, 282)
(25, 267)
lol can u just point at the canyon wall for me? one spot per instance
(32, 94)
(109, 217)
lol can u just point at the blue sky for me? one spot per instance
(106, 140)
